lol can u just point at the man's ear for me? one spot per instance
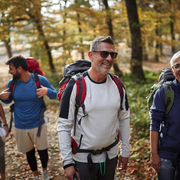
(90, 55)
(19, 69)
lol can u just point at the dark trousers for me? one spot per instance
(167, 171)
(100, 172)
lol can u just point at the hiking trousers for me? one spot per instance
(167, 171)
(101, 171)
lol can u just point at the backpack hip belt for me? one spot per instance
(95, 152)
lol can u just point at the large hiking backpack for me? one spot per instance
(34, 68)
(165, 79)
(69, 71)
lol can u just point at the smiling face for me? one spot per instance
(100, 65)
(177, 72)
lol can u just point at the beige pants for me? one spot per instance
(27, 139)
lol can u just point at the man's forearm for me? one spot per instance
(154, 142)
(2, 114)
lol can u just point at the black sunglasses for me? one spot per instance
(105, 54)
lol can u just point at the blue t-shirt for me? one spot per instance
(27, 105)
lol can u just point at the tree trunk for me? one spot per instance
(117, 71)
(136, 56)
(172, 38)
(8, 48)
(157, 48)
(46, 45)
(36, 18)
(80, 31)
(172, 19)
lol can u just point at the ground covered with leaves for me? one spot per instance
(139, 167)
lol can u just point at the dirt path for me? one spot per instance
(16, 164)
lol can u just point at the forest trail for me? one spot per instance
(16, 164)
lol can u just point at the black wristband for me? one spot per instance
(68, 165)
(5, 124)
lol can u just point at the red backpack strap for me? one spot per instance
(119, 85)
(80, 96)
(81, 90)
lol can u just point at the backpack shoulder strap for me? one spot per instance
(169, 100)
(43, 106)
(119, 85)
(36, 79)
(81, 90)
(80, 96)
(168, 95)
(12, 86)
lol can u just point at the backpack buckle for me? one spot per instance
(95, 152)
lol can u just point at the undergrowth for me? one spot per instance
(137, 91)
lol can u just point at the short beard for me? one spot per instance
(16, 76)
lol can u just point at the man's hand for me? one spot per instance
(69, 172)
(7, 130)
(4, 95)
(155, 162)
(41, 91)
(122, 163)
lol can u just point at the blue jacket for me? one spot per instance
(157, 111)
(27, 105)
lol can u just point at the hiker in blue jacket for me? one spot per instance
(27, 109)
(95, 133)
(165, 157)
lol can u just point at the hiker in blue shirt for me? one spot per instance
(165, 157)
(27, 109)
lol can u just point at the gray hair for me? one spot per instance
(95, 43)
(175, 56)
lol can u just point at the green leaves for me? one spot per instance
(137, 92)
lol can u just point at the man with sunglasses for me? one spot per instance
(99, 128)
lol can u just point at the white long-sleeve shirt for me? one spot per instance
(99, 128)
